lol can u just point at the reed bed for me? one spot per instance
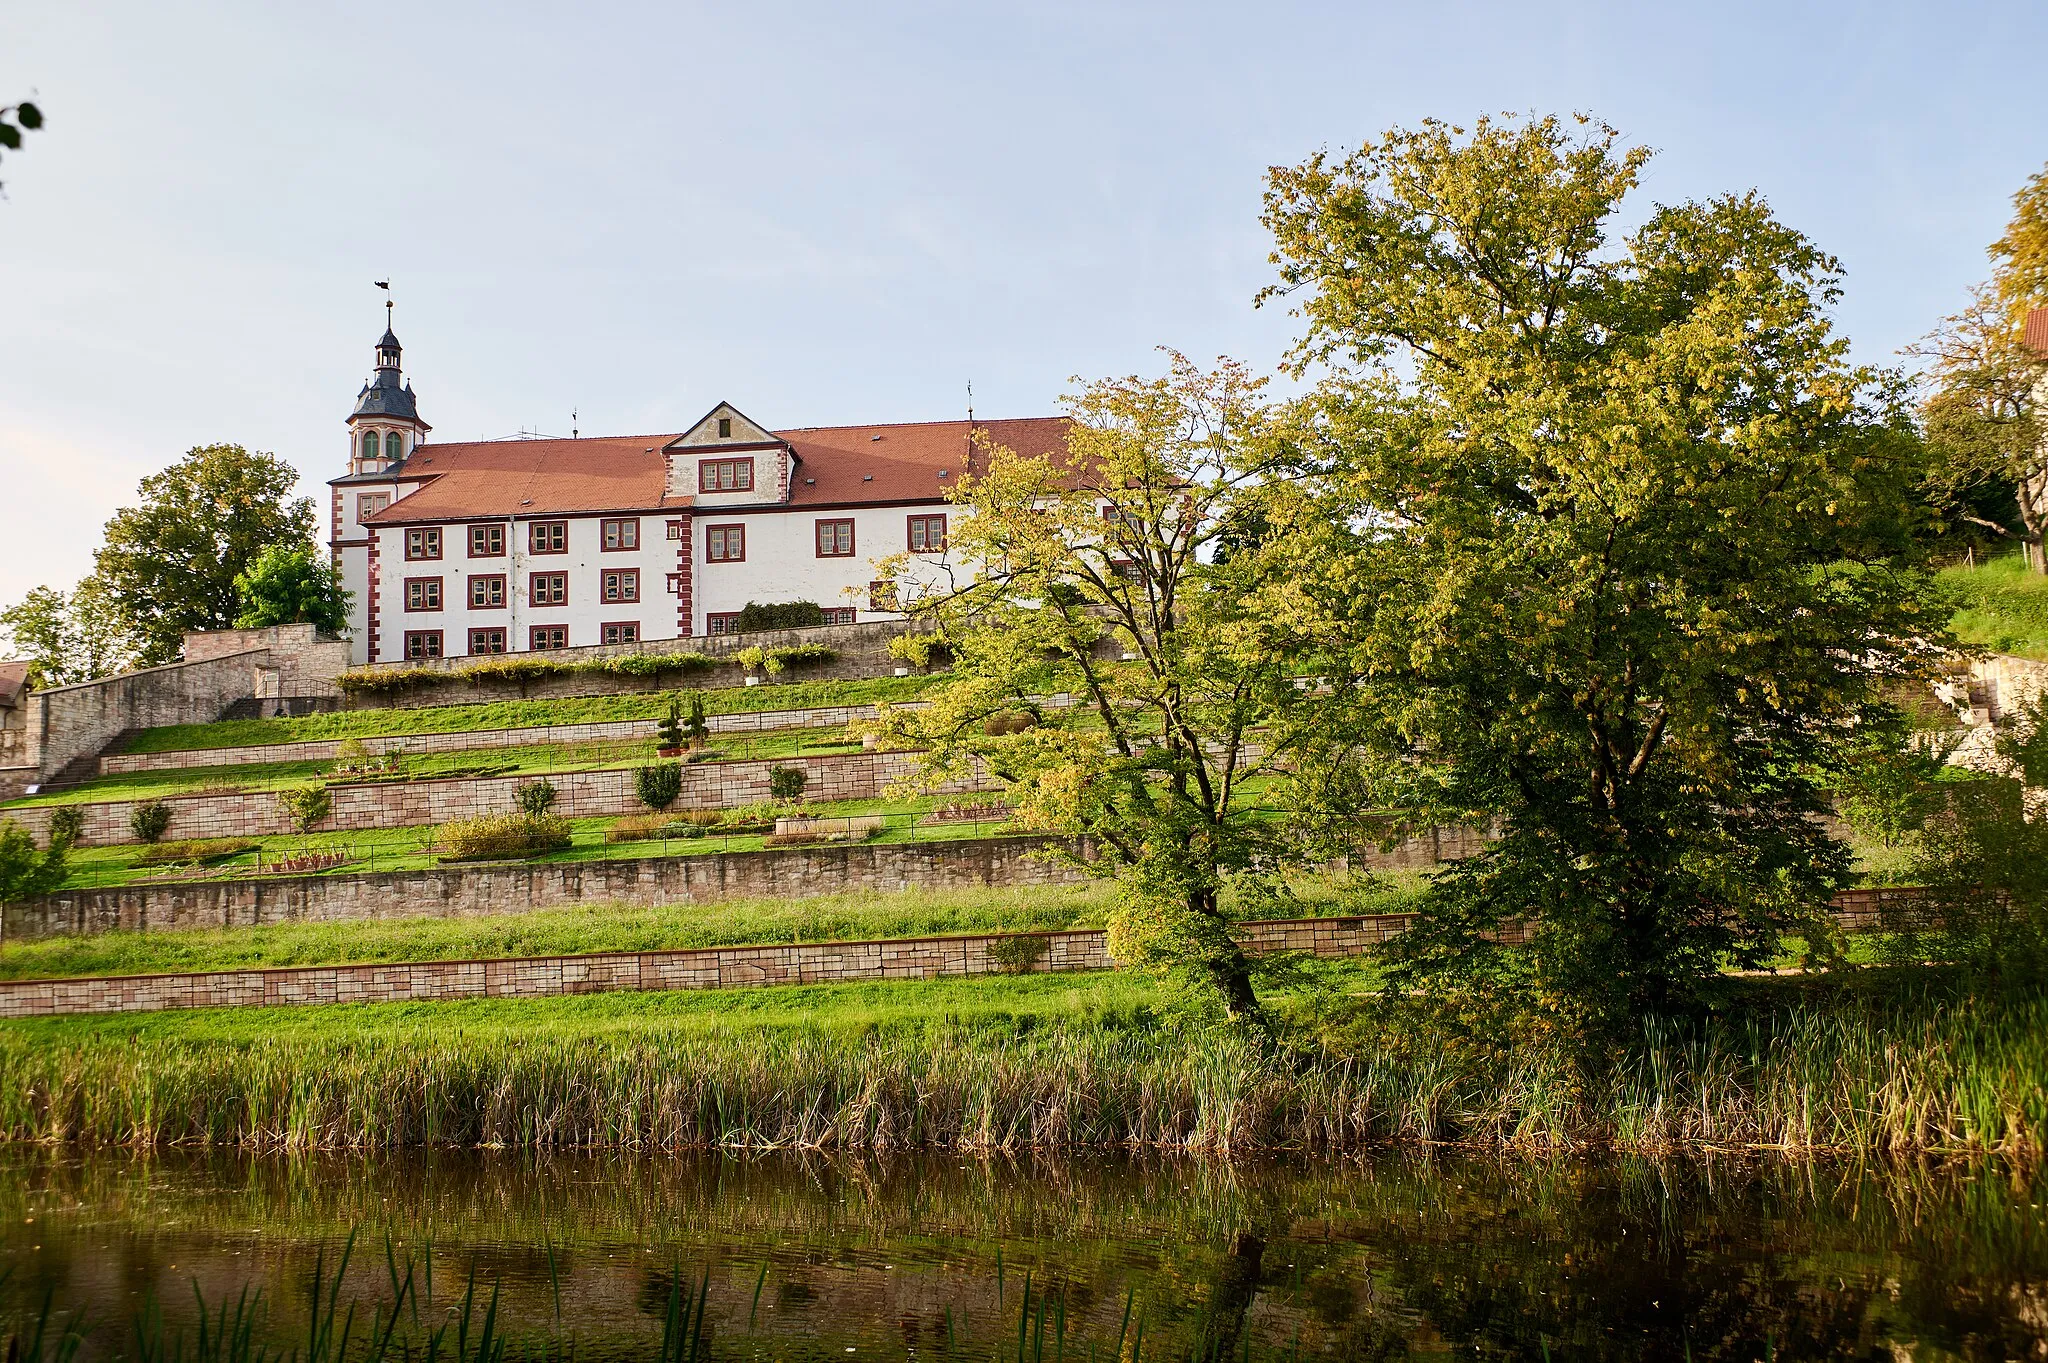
(1937, 1076)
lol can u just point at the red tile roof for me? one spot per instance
(2037, 330)
(837, 466)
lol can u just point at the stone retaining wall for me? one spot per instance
(402, 804)
(324, 749)
(863, 652)
(915, 958)
(466, 891)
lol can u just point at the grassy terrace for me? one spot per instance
(620, 927)
(519, 714)
(537, 760)
(2000, 606)
(405, 849)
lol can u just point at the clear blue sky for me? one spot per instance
(836, 213)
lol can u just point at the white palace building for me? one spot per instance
(505, 546)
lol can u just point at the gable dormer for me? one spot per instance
(728, 459)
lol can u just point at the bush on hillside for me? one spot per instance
(305, 807)
(149, 821)
(518, 671)
(502, 835)
(67, 825)
(787, 783)
(920, 650)
(647, 664)
(658, 784)
(535, 797)
(25, 872)
(779, 615)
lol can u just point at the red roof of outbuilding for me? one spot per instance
(2037, 330)
(836, 466)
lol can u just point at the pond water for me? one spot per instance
(1442, 1256)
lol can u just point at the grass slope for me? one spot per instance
(519, 714)
(2000, 606)
(1035, 1062)
(549, 932)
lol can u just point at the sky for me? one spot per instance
(838, 213)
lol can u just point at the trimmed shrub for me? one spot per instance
(501, 835)
(698, 730)
(305, 806)
(351, 755)
(67, 825)
(787, 783)
(535, 797)
(779, 615)
(669, 732)
(196, 851)
(149, 821)
(1017, 955)
(658, 784)
(647, 664)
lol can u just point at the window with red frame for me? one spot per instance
(487, 641)
(725, 544)
(841, 615)
(835, 539)
(617, 535)
(927, 534)
(423, 593)
(620, 632)
(725, 475)
(485, 591)
(621, 584)
(548, 589)
(487, 541)
(423, 542)
(547, 537)
(545, 637)
(722, 622)
(369, 504)
(423, 643)
(881, 596)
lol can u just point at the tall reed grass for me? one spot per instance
(1959, 1075)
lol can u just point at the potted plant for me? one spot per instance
(670, 730)
(753, 659)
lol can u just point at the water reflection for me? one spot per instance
(800, 1258)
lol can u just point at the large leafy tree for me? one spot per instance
(1099, 580)
(291, 584)
(1601, 535)
(1983, 382)
(68, 637)
(170, 564)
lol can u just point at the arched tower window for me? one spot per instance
(394, 445)
(369, 444)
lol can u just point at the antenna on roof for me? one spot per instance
(573, 432)
(970, 402)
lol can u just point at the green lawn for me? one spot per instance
(2000, 606)
(400, 849)
(625, 927)
(518, 714)
(535, 760)
(563, 931)
(850, 1011)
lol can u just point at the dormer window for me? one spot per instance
(394, 446)
(725, 428)
(725, 475)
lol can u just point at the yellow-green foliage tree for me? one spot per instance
(1600, 536)
(1101, 579)
(1983, 383)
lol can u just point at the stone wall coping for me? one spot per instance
(147, 671)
